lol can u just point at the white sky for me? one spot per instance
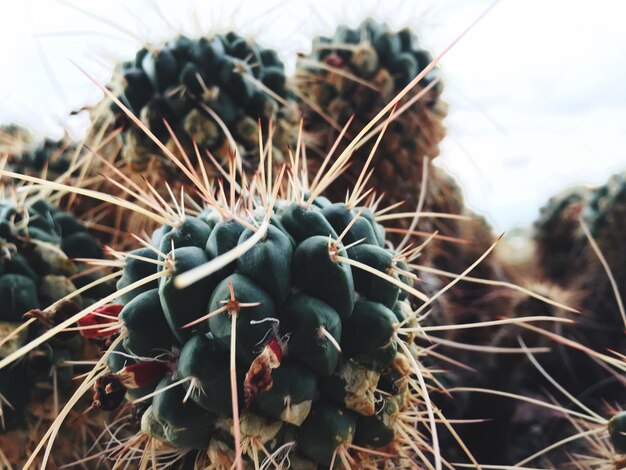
(536, 89)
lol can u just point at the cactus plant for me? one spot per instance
(38, 283)
(558, 237)
(575, 260)
(307, 355)
(270, 322)
(605, 215)
(49, 157)
(356, 72)
(212, 90)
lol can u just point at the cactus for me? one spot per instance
(308, 356)
(558, 237)
(210, 90)
(271, 321)
(49, 157)
(38, 242)
(567, 255)
(357, 72)
(605, 215)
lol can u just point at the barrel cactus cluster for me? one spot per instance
(250, 299)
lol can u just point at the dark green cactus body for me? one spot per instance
(252, 323)
(293, 391)
(148, 331)
(312, 336)
(182, 306)
(136, 269)
(326, 428)
(28, 156)
(186, 80)
(206, 360)
(617, 432)
(37, 242)
(558, 236)
(605, 215)
(184, 423)
(304, 317)
(320, 276)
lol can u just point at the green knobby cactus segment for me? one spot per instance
(357, 72)
(189, 82)
(48, 157)
(312, 337)
(37, 242)
(617, 432)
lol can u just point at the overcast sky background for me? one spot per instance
(537, 90)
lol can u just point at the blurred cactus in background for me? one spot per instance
(355, 73)
(212, 91)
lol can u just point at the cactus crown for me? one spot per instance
(212, 90)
